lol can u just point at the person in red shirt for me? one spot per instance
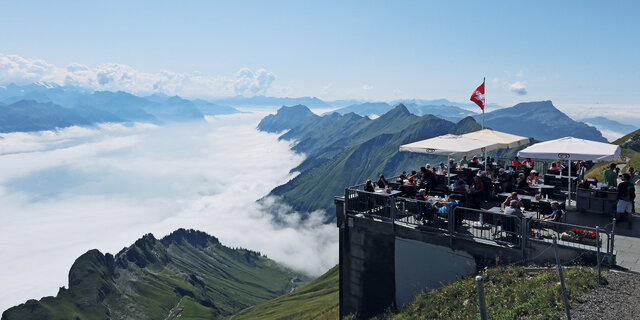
(516, 163)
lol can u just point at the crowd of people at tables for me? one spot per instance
(470, 185)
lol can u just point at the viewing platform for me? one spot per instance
(393, 247)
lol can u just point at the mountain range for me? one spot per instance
(540, 120)
(606, 125)
(344, 150)
(448, 112)
(43, 107)
(347, 149)
(187, 270)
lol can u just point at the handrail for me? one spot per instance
(468, 223)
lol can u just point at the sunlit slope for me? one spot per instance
(316, 300)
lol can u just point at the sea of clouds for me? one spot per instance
(68, 191)
(116, 76)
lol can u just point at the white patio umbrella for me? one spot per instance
(570, 148)
(502, 139)
(450, 145)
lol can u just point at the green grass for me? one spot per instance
(317, 300)
(510, 294)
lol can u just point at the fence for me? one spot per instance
(468, 223)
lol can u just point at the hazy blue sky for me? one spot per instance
(571, 52)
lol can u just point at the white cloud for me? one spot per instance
(519, 74)
(367, 87)
(114, 77)
(69, 191)
(518, 87)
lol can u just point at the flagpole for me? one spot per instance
(485, 101)
(485, 104)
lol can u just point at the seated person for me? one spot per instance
(521, 182)
(442, 207)
(556, 214)
(476, 192)
(452, 164)
(528, 163)
(428, 178)
(442, 169)
(516, 163)
(369, 186)
(460, 185)
(421, 195)
(382, 182)
(510, 198)
(464, 161)
(533, 177)
(555, 166)
(514, 209)
(474, 162)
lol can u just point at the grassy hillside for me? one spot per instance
(510, 294)
(630, 141)
(317, 300)
(152, 278)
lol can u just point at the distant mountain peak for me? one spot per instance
(399, 110)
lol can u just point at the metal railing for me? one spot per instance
(503, 229)
(473, 224)
(583, 237)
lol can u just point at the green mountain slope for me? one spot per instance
(316, 300)
(151, 278)
(630, 141)
(314, 188)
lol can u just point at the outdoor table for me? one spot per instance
(527, 214)
(393, 192)
(543, 188)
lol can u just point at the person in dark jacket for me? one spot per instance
(369, 186)
(626, 197)
(382, 182)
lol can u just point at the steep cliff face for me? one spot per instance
(152, 277)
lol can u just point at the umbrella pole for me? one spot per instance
(569, 182)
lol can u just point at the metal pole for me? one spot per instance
(569, 182)
(613, 237)
(564, 292)
(481, 302)
(598, 250)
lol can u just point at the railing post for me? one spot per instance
(613, 237)
(452, 216)
(564, 291)
(392, 213)
(481, 302)
(598, 250)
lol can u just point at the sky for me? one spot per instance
(571, 52)
(76, 189)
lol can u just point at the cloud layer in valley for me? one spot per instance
(66, 192)
(114, 77)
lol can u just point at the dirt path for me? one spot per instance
(620, 299)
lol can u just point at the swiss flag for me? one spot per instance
(478, 96)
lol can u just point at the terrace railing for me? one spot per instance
(473, 224)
